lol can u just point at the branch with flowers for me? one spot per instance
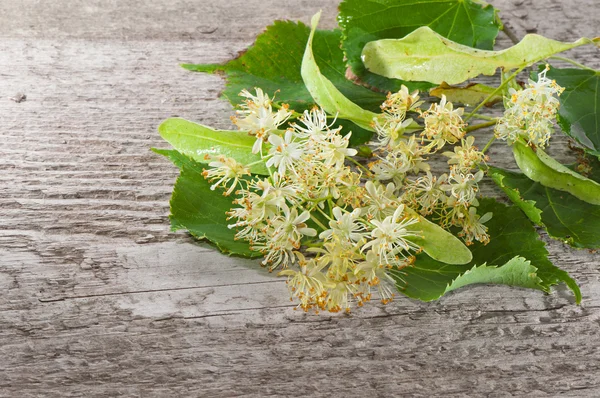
(329, 181)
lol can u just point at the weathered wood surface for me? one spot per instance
(98, 298)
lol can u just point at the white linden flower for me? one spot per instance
(466, 156)
(473, 226)
(443, 123)
(257, 117)
(426, 192)
(285, 236)
(390, 132)
(224, 170)
(375, 272)
(463, 186)
(345, 226)
(308, 284)
(397, 104)
(334, 149)
(390, 236)
(380, 201)
(284, 152)
(391, 168)
(314, 124)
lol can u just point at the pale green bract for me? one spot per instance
(540, 167)
(201, 142)
(471, 94)
(438, 243)
(325, 93)
(424, 55)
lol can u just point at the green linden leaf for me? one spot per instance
(564, 217)
(579, 112)
(511, 236)
(472, 23)
(201, 211)
(425, 55)
(198, 141)
(516, 272)
(273, 63)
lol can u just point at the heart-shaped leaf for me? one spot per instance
(201, 211)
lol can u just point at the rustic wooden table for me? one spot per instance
(98, 298)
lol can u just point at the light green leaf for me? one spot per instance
(325, 93)
(198, 141)
(564, 217)
(472, 23)
(540, 167)
(516, 272)
(440, 244)
(471, 94)
(273, 63)
(511, 235)
(424, 55)
(201, 211)
(579, 112)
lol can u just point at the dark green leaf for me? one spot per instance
(273, 64)
(201, 211)
(565, 217)
(472, 23)
(579, 112)
(511, 235)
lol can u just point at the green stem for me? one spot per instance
(509, 33)
(496, 91)
(481, 126)
(255, 163)
(330, 203)
(360, 166)
(569, 60)
(313, 244)
(323, 227)
(489, 144)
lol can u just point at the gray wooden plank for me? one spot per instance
(100, 299)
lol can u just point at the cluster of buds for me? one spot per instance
(332, 225)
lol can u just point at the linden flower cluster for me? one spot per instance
(334, 226)
(450, 199)
(530, 112)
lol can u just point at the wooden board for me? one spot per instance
(98, 298)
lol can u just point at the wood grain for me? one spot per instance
(99, 299)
